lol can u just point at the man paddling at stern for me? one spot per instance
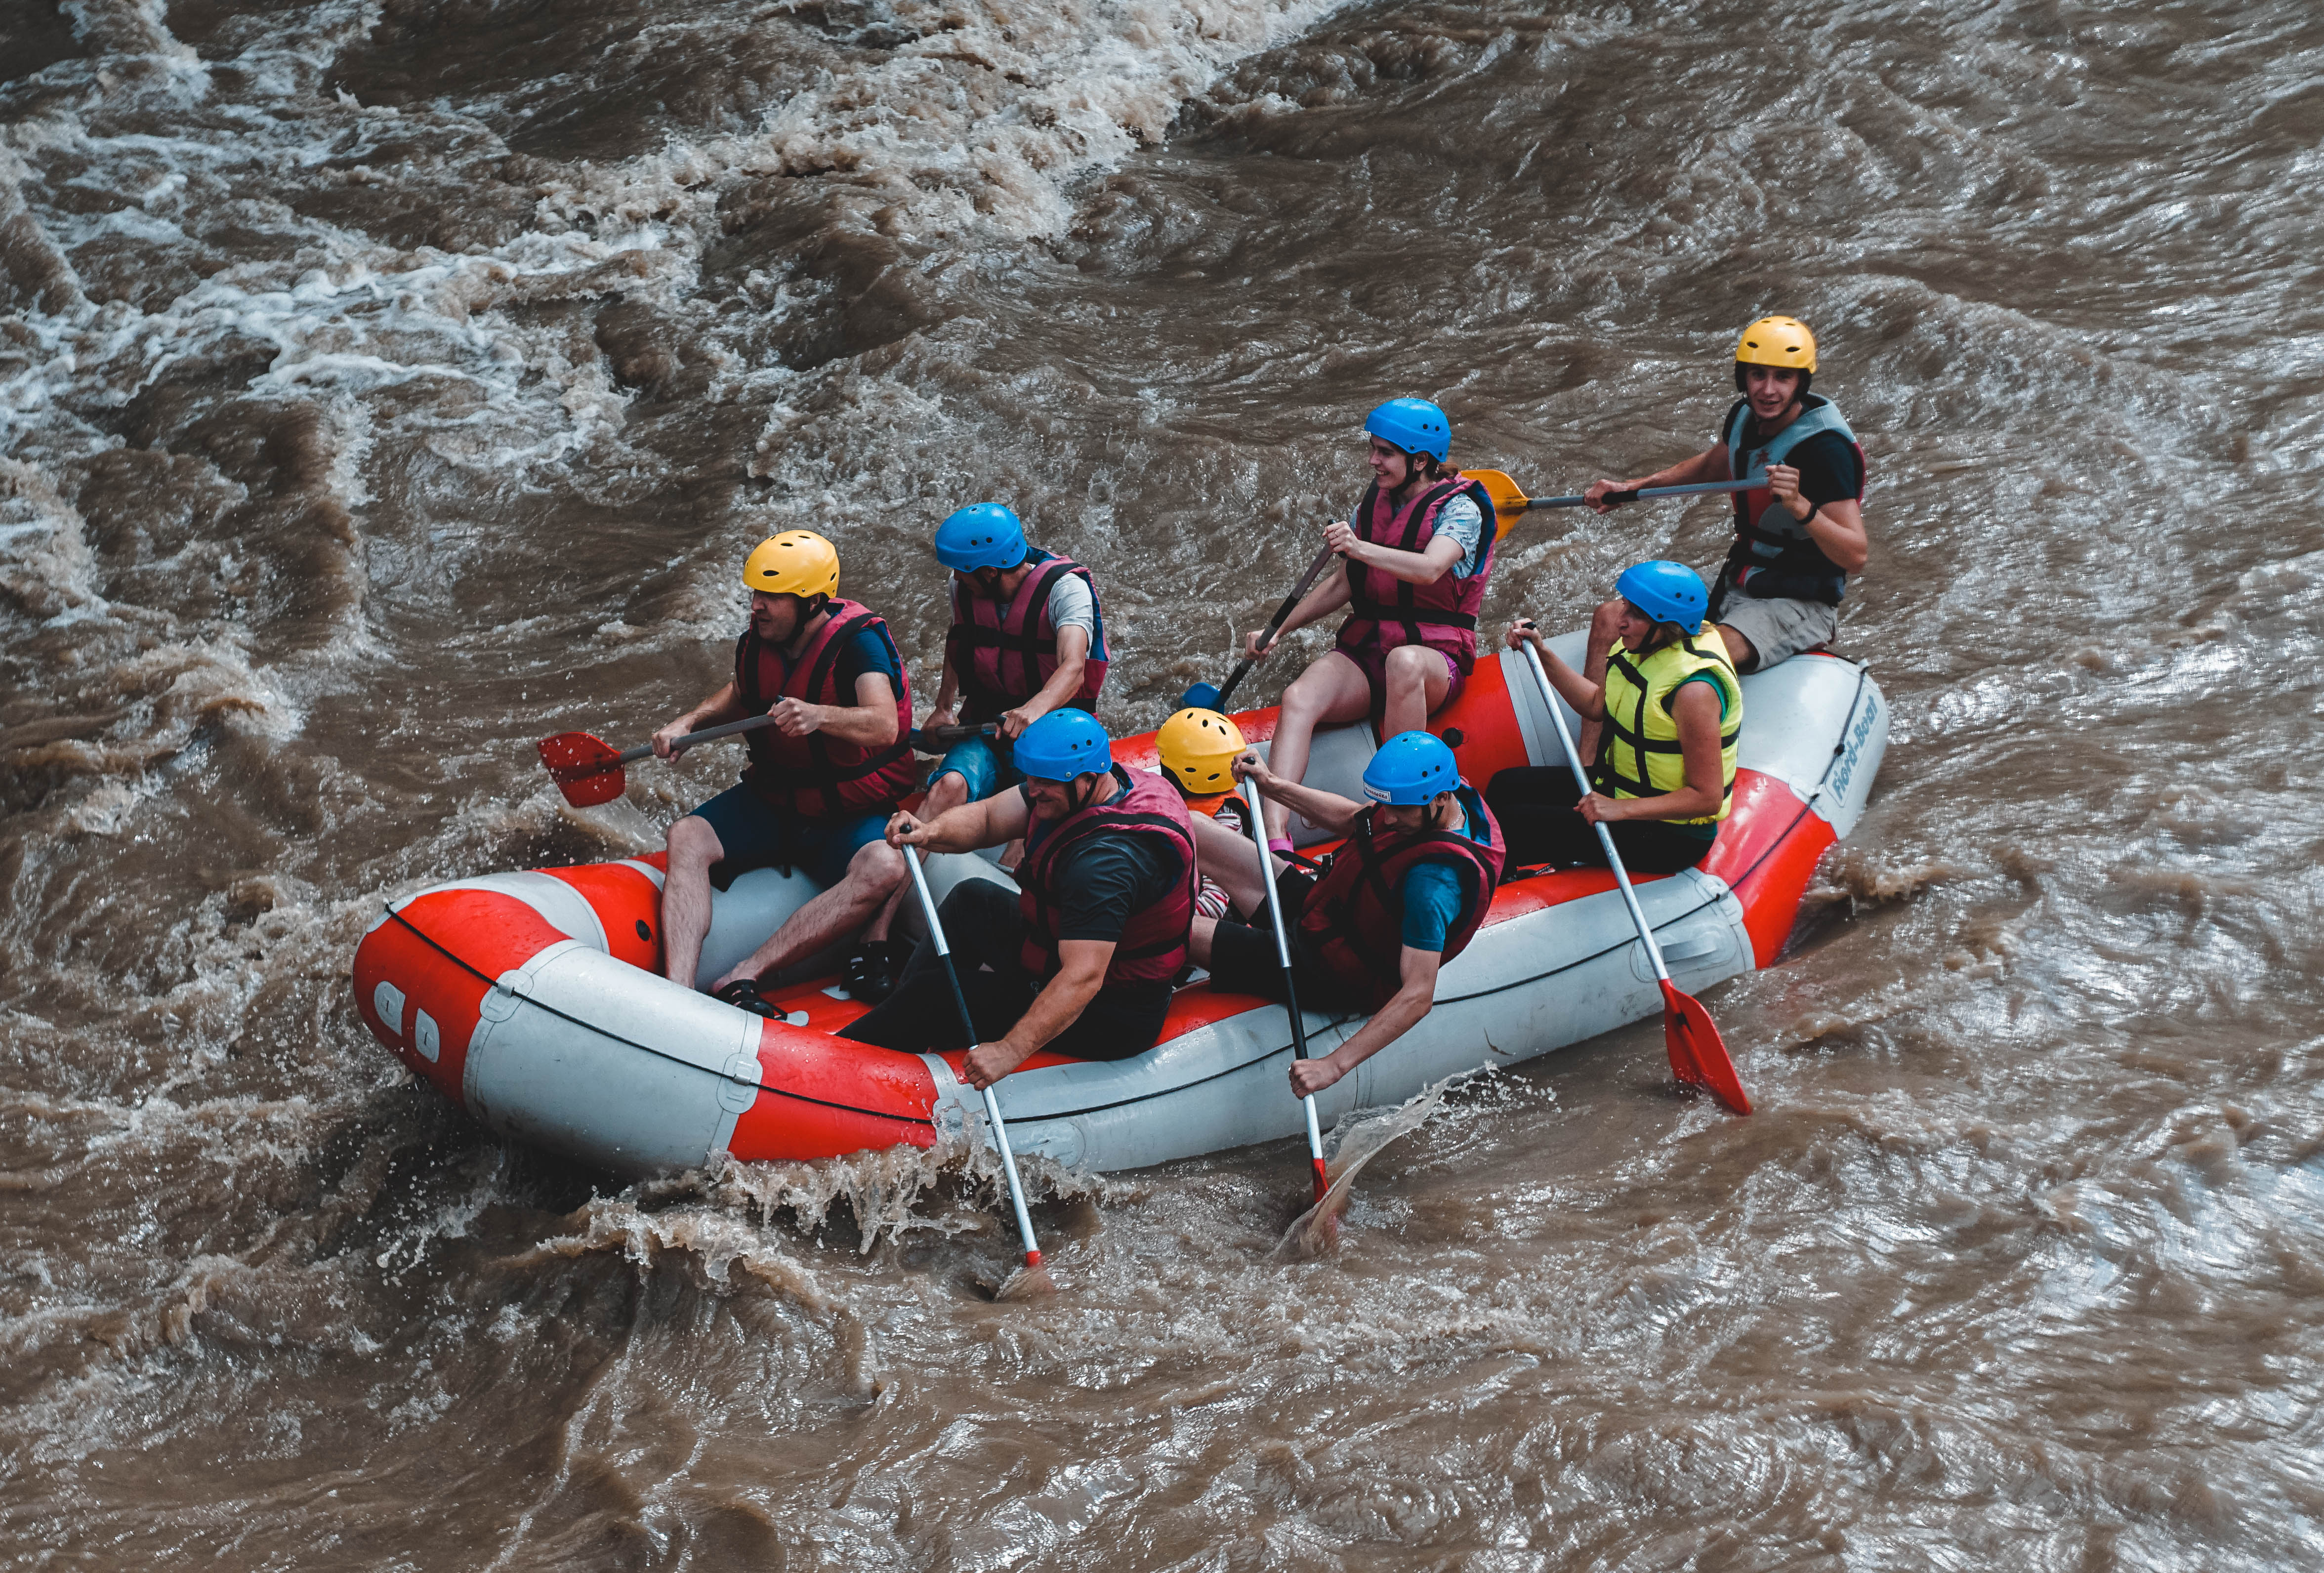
(822, 779)
(1404, 896)
(1796, 540)
(1027, 637)
(1081, 961)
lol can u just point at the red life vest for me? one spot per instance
(1153, 945)
(820, 777)
(1354, 916)
(1384, 610)
(1006, 654)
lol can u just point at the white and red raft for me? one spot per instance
(535, 1001)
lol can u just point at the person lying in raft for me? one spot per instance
(1417, 554)
(1081, 961)
(1673, 710)
(1028, 636)
(822, 780)
(1401, 899)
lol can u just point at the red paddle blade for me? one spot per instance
(587, 770)
(1697, 1054)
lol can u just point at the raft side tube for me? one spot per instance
(1521, 989)
(650, 1080)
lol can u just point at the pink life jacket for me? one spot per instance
(820, 777)
(1153, 944)
(1354, 916)
(1005, 655)
(1384, 610)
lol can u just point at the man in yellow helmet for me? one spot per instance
(823, 778)
(1798, 538)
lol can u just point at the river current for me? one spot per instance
(385, 385)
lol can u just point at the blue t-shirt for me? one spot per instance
(866, 651)
(1435, 896)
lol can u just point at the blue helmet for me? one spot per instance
(1414, 425)
(1064, 744)
(1412, 767)
(1666, 592)
(985, 535)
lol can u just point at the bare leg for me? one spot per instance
(1332, 689)
(1198, 942)
(875, 873)
(949, 790)
(1605, 629)
(693, 846)
(1417, 681)
(1740, 653)
(1230, 859)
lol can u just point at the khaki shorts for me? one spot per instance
(1779, 630)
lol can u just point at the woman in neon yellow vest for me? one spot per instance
(1666, 767)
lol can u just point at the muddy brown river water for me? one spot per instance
(383, 386)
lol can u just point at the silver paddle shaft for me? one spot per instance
(1283, 957)
(968, 1025)
(1605, 836)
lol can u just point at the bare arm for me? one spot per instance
(1426, 567)
(1414, 998)
(1330, 594)
(1081, 973)
(870, 722)
(948, 692)
(989, 822)
(1587, 698)
(1710, 464)
(1836, 527)
(1327, 811)
(724, 705)
(1073, 659)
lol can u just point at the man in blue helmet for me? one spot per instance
(1416, 554)
(1796, 540)
(1083, 960)
(1027, 637)
(1403, 897)
(1672, 709)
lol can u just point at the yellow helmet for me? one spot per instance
(1196, 746)
(1777, 341)
(797, 562)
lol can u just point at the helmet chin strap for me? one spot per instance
(1082, 799)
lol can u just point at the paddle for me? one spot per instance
(1032, 1279)
(1508, 501)
(589, 772)
(1290, 987)
(1207, 696)
(1697, 1054)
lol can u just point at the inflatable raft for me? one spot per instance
(534, 999)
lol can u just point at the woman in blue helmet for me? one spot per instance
(1673, 710)
(1403, 897)
(1416, 555)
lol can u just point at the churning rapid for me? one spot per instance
(386, 386)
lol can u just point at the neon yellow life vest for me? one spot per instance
(1639, 755)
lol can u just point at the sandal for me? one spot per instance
(871, 972)
(743, 995)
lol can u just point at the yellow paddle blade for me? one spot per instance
(1508, 502)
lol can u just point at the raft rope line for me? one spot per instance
(1807, 806)
(490, 981)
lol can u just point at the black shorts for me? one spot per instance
(1539, 824)
(1244, 960)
